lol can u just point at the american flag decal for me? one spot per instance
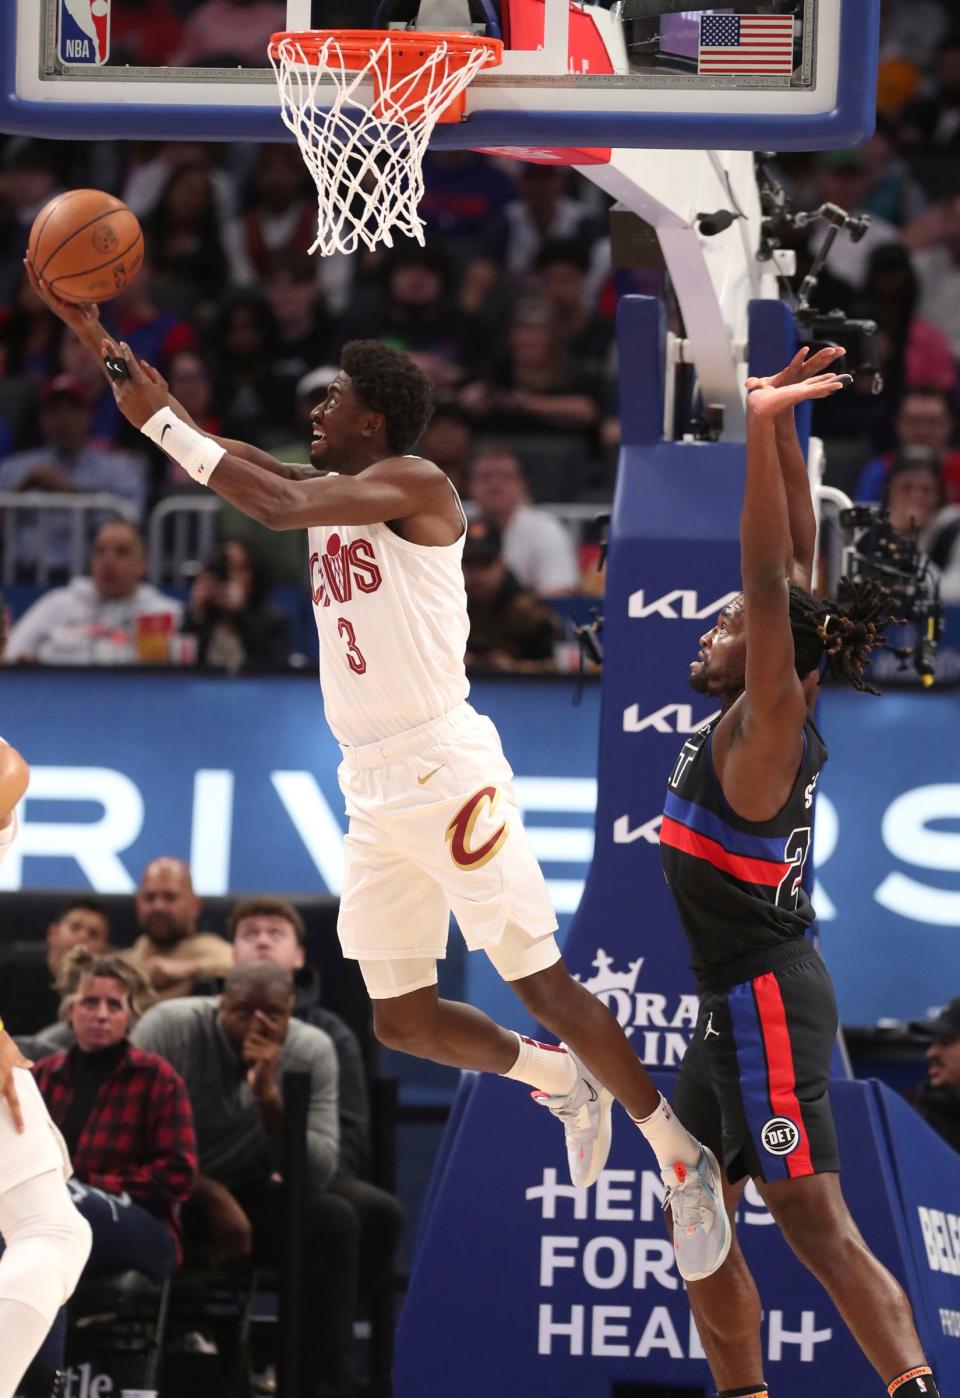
(746, 44)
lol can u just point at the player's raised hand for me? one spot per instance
(82, 318)
(768, 401)
(141, 394)
(803, 366)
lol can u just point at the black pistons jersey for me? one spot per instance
(737, 883)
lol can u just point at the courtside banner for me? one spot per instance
(523, 1285)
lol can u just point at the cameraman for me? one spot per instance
(914, 494)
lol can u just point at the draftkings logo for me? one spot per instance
(663, 1027)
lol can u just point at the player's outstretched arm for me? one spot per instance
(775, 702)
(793, 465)
(14, 777)
(84, 321)
(246, 451)
(397, 488)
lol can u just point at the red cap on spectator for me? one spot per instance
(64, 385)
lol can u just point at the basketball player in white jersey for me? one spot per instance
(46, 1241)
(433, 820)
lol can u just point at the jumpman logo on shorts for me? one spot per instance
(710, 1029)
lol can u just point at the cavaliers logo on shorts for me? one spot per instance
(462, 828)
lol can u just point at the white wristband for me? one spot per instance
(198, 455)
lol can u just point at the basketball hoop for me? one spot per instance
(363, 105)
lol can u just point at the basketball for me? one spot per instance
(86, 245)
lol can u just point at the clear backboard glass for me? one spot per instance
(773, 74)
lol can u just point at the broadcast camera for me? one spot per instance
(876, 550)
(834, 327)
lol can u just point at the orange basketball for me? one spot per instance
(86, 245)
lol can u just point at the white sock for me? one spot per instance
(668, 1138)
(545, 1066)
(22, 1332)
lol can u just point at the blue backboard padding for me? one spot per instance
(850, 122)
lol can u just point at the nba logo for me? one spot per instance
(84, 32)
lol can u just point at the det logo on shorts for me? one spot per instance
(83, 32)
(780, 1136)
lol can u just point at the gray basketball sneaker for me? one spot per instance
(585, 1114)
(701, 1226)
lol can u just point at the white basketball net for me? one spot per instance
(363, 134)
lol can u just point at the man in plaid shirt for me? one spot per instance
(128, 1123)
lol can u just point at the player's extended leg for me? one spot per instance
(409, 1015)
(726, 1308)
(47, 1244)
(813, 1216)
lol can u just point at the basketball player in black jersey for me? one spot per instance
(736, 833)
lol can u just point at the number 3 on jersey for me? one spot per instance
(795, 852)
(355, 657)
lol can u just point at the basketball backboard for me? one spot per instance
(760, 74)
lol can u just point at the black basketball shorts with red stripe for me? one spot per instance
(753, 1084)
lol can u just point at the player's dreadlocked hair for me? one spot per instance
(388, 382)
(845, 631)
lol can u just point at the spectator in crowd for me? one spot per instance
(29, 336)
(233, 1052)
(153, 331)
(112, 617)
(191, 385)
(236, 626)
(415, 309)
(227, 33)
(534, 390)
(303, 330)
(543, 209)
(449, 442)
(270, 929)
(172, 953)
(938, 1098)
(127, 1121)
(30, 176)
(913, 353)
(510, 628)
(188, 258)
(925, 418)
(64, 464)
(244, 348)
(562, 268)
(464, 192)
(914, 494)
(935, 243)
(29, 999)
(537, 547)
(281, 220)
(933, 123)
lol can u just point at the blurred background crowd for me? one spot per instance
(510, 308)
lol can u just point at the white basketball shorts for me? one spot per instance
(39, 1147)
(434, 828)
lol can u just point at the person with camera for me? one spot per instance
(230, 615)
(938, 1097)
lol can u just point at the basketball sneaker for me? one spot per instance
(585, 1115)
(701, 1226)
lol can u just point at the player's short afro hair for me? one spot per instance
(387, 381)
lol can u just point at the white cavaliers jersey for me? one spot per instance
(392, 621)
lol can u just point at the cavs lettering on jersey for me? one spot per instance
(737, 883)
(392, 622)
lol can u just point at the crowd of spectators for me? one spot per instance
(164, 1064)
(509, 308)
